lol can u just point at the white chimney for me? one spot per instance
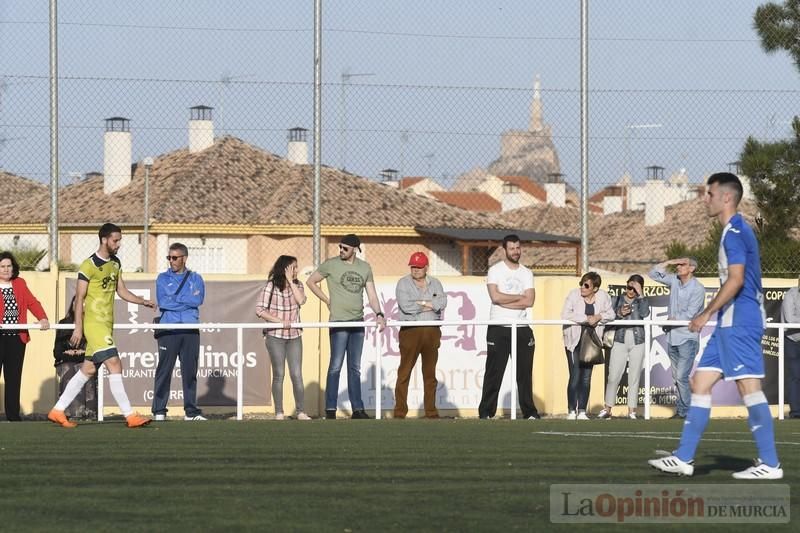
(117, 147)
(612, 204)
(201, 128)
(556, 194)
(654, 202)
(297, 152)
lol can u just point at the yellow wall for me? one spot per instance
(550, 370)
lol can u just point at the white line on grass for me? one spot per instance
(651, 435)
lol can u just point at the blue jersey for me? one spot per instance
(739, 246)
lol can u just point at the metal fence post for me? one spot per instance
(648, 337)
(378, 374)
(781, 377)
(513, 370)
(239, 373)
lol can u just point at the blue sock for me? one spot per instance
(760, 422)
(694, 426)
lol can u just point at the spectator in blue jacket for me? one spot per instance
(180, 294)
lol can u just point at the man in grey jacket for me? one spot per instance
(687, 297)
(420, 298)
(790, 313)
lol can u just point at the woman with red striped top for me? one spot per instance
(280, 302)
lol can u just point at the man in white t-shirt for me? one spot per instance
(511, 291)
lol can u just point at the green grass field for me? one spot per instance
(343, 475)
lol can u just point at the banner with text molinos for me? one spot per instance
(462, 354)
(662, 387)
(225, 302)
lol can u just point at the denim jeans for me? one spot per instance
(580, 381)
(682, 359)
(349, 341)
(282, 352)
(792, 352)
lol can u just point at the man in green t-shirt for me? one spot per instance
(347, 277)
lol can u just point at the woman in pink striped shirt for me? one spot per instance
(280, 302)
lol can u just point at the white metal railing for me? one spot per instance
(378, 350)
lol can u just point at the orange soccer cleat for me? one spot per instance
(136, 421)
(58, 417)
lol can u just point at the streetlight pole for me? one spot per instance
(148, 164)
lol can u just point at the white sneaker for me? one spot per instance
(302, 416)
(582, 416)
(572, 415)
(672, 465)
(760, 471)
(604, 414)
(279, 416)
(632, 416)
(160, 418)
(195, 418)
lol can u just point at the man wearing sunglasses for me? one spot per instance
(686, 298)
(180, 293)
(348, 277)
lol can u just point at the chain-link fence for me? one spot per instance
(445, 125)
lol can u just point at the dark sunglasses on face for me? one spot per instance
(631, 288)
(174, 257)
(345, 248)
(587, 285)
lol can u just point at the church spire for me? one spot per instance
(536, 107)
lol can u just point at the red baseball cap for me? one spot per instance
(418, 259)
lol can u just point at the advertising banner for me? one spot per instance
(225, 302)
(462, 355)
(662, 386)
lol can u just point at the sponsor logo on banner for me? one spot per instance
(225, 302)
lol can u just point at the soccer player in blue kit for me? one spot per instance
(734, 351)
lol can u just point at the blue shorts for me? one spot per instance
(734, 352)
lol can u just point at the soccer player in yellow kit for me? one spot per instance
(99, 279)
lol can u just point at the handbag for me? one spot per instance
(591, 347)
(608, 337)
(157, 320)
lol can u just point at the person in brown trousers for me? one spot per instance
(420, 298)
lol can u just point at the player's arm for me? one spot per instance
(726, 293)
(80, 296)
(500, 298)
(523, 301)
(372, 298)
(128, 296)
(313, 284)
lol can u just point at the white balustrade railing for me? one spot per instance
(378, 351)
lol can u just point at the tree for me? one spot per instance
(778, 25)
(773, 169)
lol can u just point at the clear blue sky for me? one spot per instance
(452, 73)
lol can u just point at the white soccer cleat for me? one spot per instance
(572, 415)
(672, 465)
(160, 418)
(582, 416)
(604, 414)
(760, 471)
(195, 418)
